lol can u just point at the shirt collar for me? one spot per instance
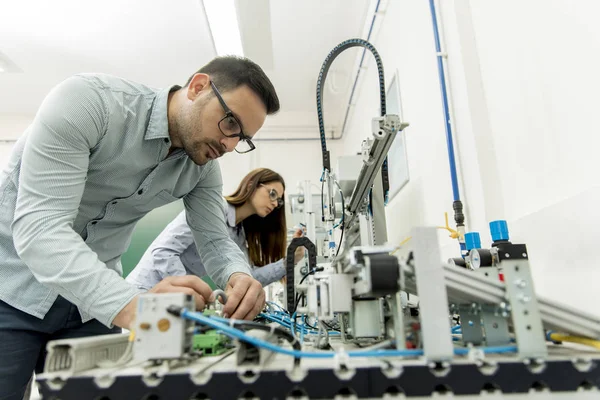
(230, 215)
(158, 127)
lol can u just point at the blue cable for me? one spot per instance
(442, 78)
(238, 334)
(273, 319)
(293, 318)
(276, 305)
(288, 324)
(493, 349)
(283, 323)
(448, 125)
(266, 316)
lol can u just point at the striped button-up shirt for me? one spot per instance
(94, 162)
(174, 253)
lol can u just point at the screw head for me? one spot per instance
(145, 326)
(524, 299)
(164, 325)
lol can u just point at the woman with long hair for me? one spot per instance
(255, 217)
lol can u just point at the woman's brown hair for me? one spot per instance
(266, 237)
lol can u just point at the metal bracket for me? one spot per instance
(495, 326)
(433, 298)
(470, 323)
(395, 302)
(524, 309)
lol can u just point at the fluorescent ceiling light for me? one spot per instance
(222, 18)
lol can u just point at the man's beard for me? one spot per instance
(196, 154)
(197, 151)
(193, 149)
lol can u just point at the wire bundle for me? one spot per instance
(288, 321)
(227, 327)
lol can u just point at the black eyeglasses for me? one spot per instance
(273, 196)
(230, 126)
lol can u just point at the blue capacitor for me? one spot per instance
(472, 240)
(499, 230)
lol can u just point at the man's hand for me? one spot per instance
(188, 284)
(245, 297)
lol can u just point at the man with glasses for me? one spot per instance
(100, 154)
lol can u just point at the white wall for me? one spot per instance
(523, 78)
(405, 43)
(5, 148)
(296, 161)
(541, 83)
(11, 127)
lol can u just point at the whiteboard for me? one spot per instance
(397, 159)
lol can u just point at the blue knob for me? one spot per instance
(472, 240)
(499, 230)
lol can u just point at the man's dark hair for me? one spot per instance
(231, 72)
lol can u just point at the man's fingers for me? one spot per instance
(193, 282)
(249, 301)
(258, 306)
(212, 298)
(200, 302)
(189, 284)
(235, 294)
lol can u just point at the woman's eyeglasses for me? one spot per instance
(273, 196)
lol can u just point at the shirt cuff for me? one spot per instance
(108, 300)
(230, 270)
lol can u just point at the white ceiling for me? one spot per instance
(162, 42)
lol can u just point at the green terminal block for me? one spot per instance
(211, 343)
